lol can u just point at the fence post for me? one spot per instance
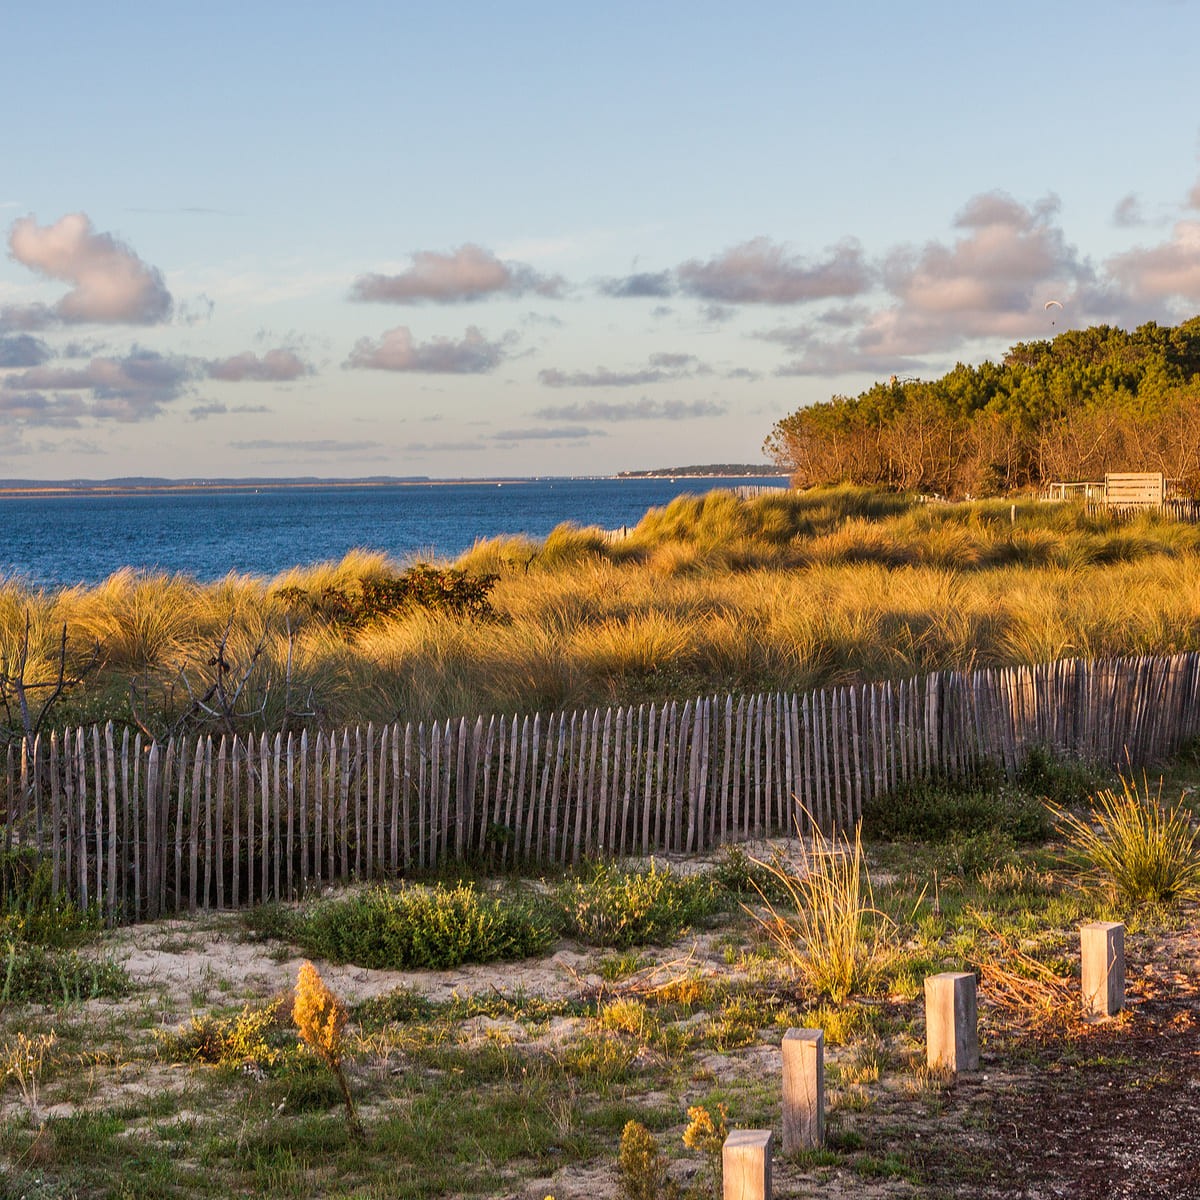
(746, 1165)
(1102, 961)
(803, 1090)
(952, 1021)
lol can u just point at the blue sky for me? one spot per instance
(475, 239)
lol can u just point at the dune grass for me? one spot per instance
(709, 593)
(1135, 848)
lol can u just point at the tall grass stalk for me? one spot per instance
(1135, 848)
(834, 939)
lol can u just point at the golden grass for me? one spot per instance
(789, 592)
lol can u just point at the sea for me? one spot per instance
(64, 540)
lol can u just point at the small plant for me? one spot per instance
(23, 1059)
(940, 808)
(618, 907)
(321, 1019)
(708, 1136)
(642, 1167)
(740, 876)
(29, 909)
(1058, 781)
(835, 944)
(971, 855)
(1138, 851)
(435, 928)
(254, 1037)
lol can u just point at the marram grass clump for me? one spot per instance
(834, 940)
(1136, 849)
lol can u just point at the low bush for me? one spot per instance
(444, 590)
(740, 876)
(412, 927)
(1063, 782)
(31, 974)
(1136, 849)
(971, 855)
(261, 1035)
(938, 809)
(621, 907)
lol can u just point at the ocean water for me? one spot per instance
(61, 541)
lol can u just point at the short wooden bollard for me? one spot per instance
(803, 1090)
(746, 1165)
(1102, 958)
(951, 1021)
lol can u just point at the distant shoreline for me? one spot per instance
(16, 489)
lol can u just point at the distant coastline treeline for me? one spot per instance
(1071, 408)
(708, 471)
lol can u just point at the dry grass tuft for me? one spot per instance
(837, 941)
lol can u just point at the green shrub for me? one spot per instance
(399, 1006)
(1063, 782)
(29, 910)
(435, 927)
(1137, 850)
(740, 876)
(31, 974)
(937, 809)
(642, 1167)
(971, 855)
(618, 907)
(445, 590)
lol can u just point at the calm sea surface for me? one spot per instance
(57, 541)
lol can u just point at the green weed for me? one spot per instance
(29, 909)
(32, 974)
(259, 1035)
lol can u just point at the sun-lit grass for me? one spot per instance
(1136, 848)
(828, 932)
(793, 591)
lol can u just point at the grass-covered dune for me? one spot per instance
(790, 591)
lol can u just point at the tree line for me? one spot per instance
(1086, 402)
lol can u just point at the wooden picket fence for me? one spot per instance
(197, 823)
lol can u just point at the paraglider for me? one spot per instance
(1052, 304)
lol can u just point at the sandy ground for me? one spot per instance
(1104, 1111)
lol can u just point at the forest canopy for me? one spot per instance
(1071, 408)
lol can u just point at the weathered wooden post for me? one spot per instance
(952, 1021)
(1102, 960)
(803, 1090)
(746, 1165)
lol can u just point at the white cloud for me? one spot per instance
(397, 351)
(468, 273)
(763, 272)
(111, 284)
(1169, 271)
(275, 366)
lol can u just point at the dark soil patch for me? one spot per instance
(1108, 1112)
